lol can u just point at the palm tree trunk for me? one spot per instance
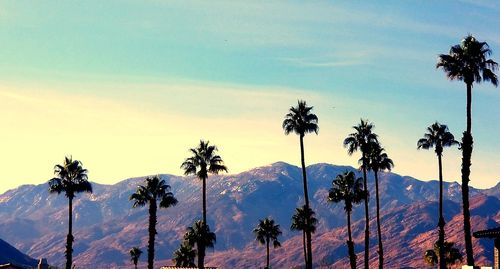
(69, 238)
(367, 217)
(201, 246)
(201, 255)
(379, 232)
(152, 233)
(467, 143)
(267, 257)
(350, 243)
(441, 223)
(306, 199)
(135, 264)
(304, 245)
(204, 200)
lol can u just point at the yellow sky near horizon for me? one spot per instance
(119, 134)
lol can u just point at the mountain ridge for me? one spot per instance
(106, 226)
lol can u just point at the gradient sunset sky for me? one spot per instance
(128, 86)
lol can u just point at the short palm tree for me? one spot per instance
(299, 224)
(204, 160)
(300, 120)
(438, 137)
(378, 161)
(468, 62)
(153, 191)
(71, 178)
(361, 140)
(135, 254)
(349, 189)
(184, 256)
(451, 254)
(201, 236)
(266, 232)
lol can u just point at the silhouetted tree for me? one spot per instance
(301, 121)
(200, 235)
(468, 62)
(71, 178)
(153, 191)
(451, 255)
(184, 256)
(378, 161)
(350, 190)
(438, 137)
(361, 140)
(267, 232)
(135, 254)
(203, 161)
(299, 224)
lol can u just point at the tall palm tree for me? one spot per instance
(451, 254)
(267, 232)
(301, 121)
(349, 189)
(201, 236)
(184, 256)
(153, 191)
(204, 160)
(71, 178)
(378, 161)
(135, 254)
(299, 224)
(468, 62)
(361, 140)
(438, 137)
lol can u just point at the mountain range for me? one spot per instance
(106, 226)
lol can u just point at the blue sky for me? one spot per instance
(128, 86)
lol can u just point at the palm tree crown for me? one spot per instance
(71, 178)
(361, 139)
(266, 231)
(438, 136)
(347, 188)
(299, 220)
(155, 190)
(468, 61)
(378, 160)
(184, 256)
(300, 120)
(199, 234)
(135, 254)
(203, 161)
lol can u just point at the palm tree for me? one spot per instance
(203, 161)
(153, 191)
(350, 190)
(451, 254)
(378, 161)
(299, 224)
(184, 256)
(301, 121)
(201, 236)
(71, 178)
(468, 62)
(361, 140)
(135, 254)
(267, 232)
(438, 137)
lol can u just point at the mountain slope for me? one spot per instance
(106, 225)
(9, 254)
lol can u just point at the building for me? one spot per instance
(495, 235)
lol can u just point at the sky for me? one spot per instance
(127, 87)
